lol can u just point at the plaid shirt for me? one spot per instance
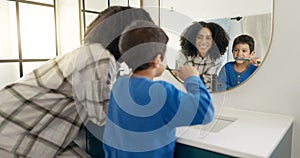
(205, 66)
(41, 113)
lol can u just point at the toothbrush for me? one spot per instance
(247, 59)
(176, 77)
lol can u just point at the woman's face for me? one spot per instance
(203, 41)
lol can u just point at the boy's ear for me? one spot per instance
(156, 60)
(252, 53)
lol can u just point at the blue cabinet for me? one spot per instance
(183, 151)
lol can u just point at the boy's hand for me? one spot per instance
(186, 71)
(255, 61)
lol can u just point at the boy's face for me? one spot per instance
(241, 53)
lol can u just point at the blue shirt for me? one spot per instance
(229, 78)
(143, 115)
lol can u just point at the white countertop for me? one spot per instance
(252, 134)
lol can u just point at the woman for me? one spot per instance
(42, 113)
(202, 45)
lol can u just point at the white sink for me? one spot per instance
(219, 123)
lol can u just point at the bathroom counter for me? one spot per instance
(249, 133)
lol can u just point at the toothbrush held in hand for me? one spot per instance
(247, 59)
(171, 71)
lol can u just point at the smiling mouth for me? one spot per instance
(245, 59)
(203, 46)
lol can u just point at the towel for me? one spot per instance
(260, 28)
(225, 23)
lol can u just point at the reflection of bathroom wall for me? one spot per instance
(216, 9)
(258, 26)
(175, 16)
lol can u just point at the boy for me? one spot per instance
(143, 114)
(236, 72)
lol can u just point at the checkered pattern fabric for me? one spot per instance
(41, 113)
(205, 66)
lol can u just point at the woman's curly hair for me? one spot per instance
(220, 39)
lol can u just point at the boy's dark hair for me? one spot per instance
(110, 23)
(140, 43)
(220, 39)
(244, 39)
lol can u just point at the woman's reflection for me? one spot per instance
(202, 45)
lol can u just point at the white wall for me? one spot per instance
(275, 86)
(215, 9)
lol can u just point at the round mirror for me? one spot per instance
(236, 17)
